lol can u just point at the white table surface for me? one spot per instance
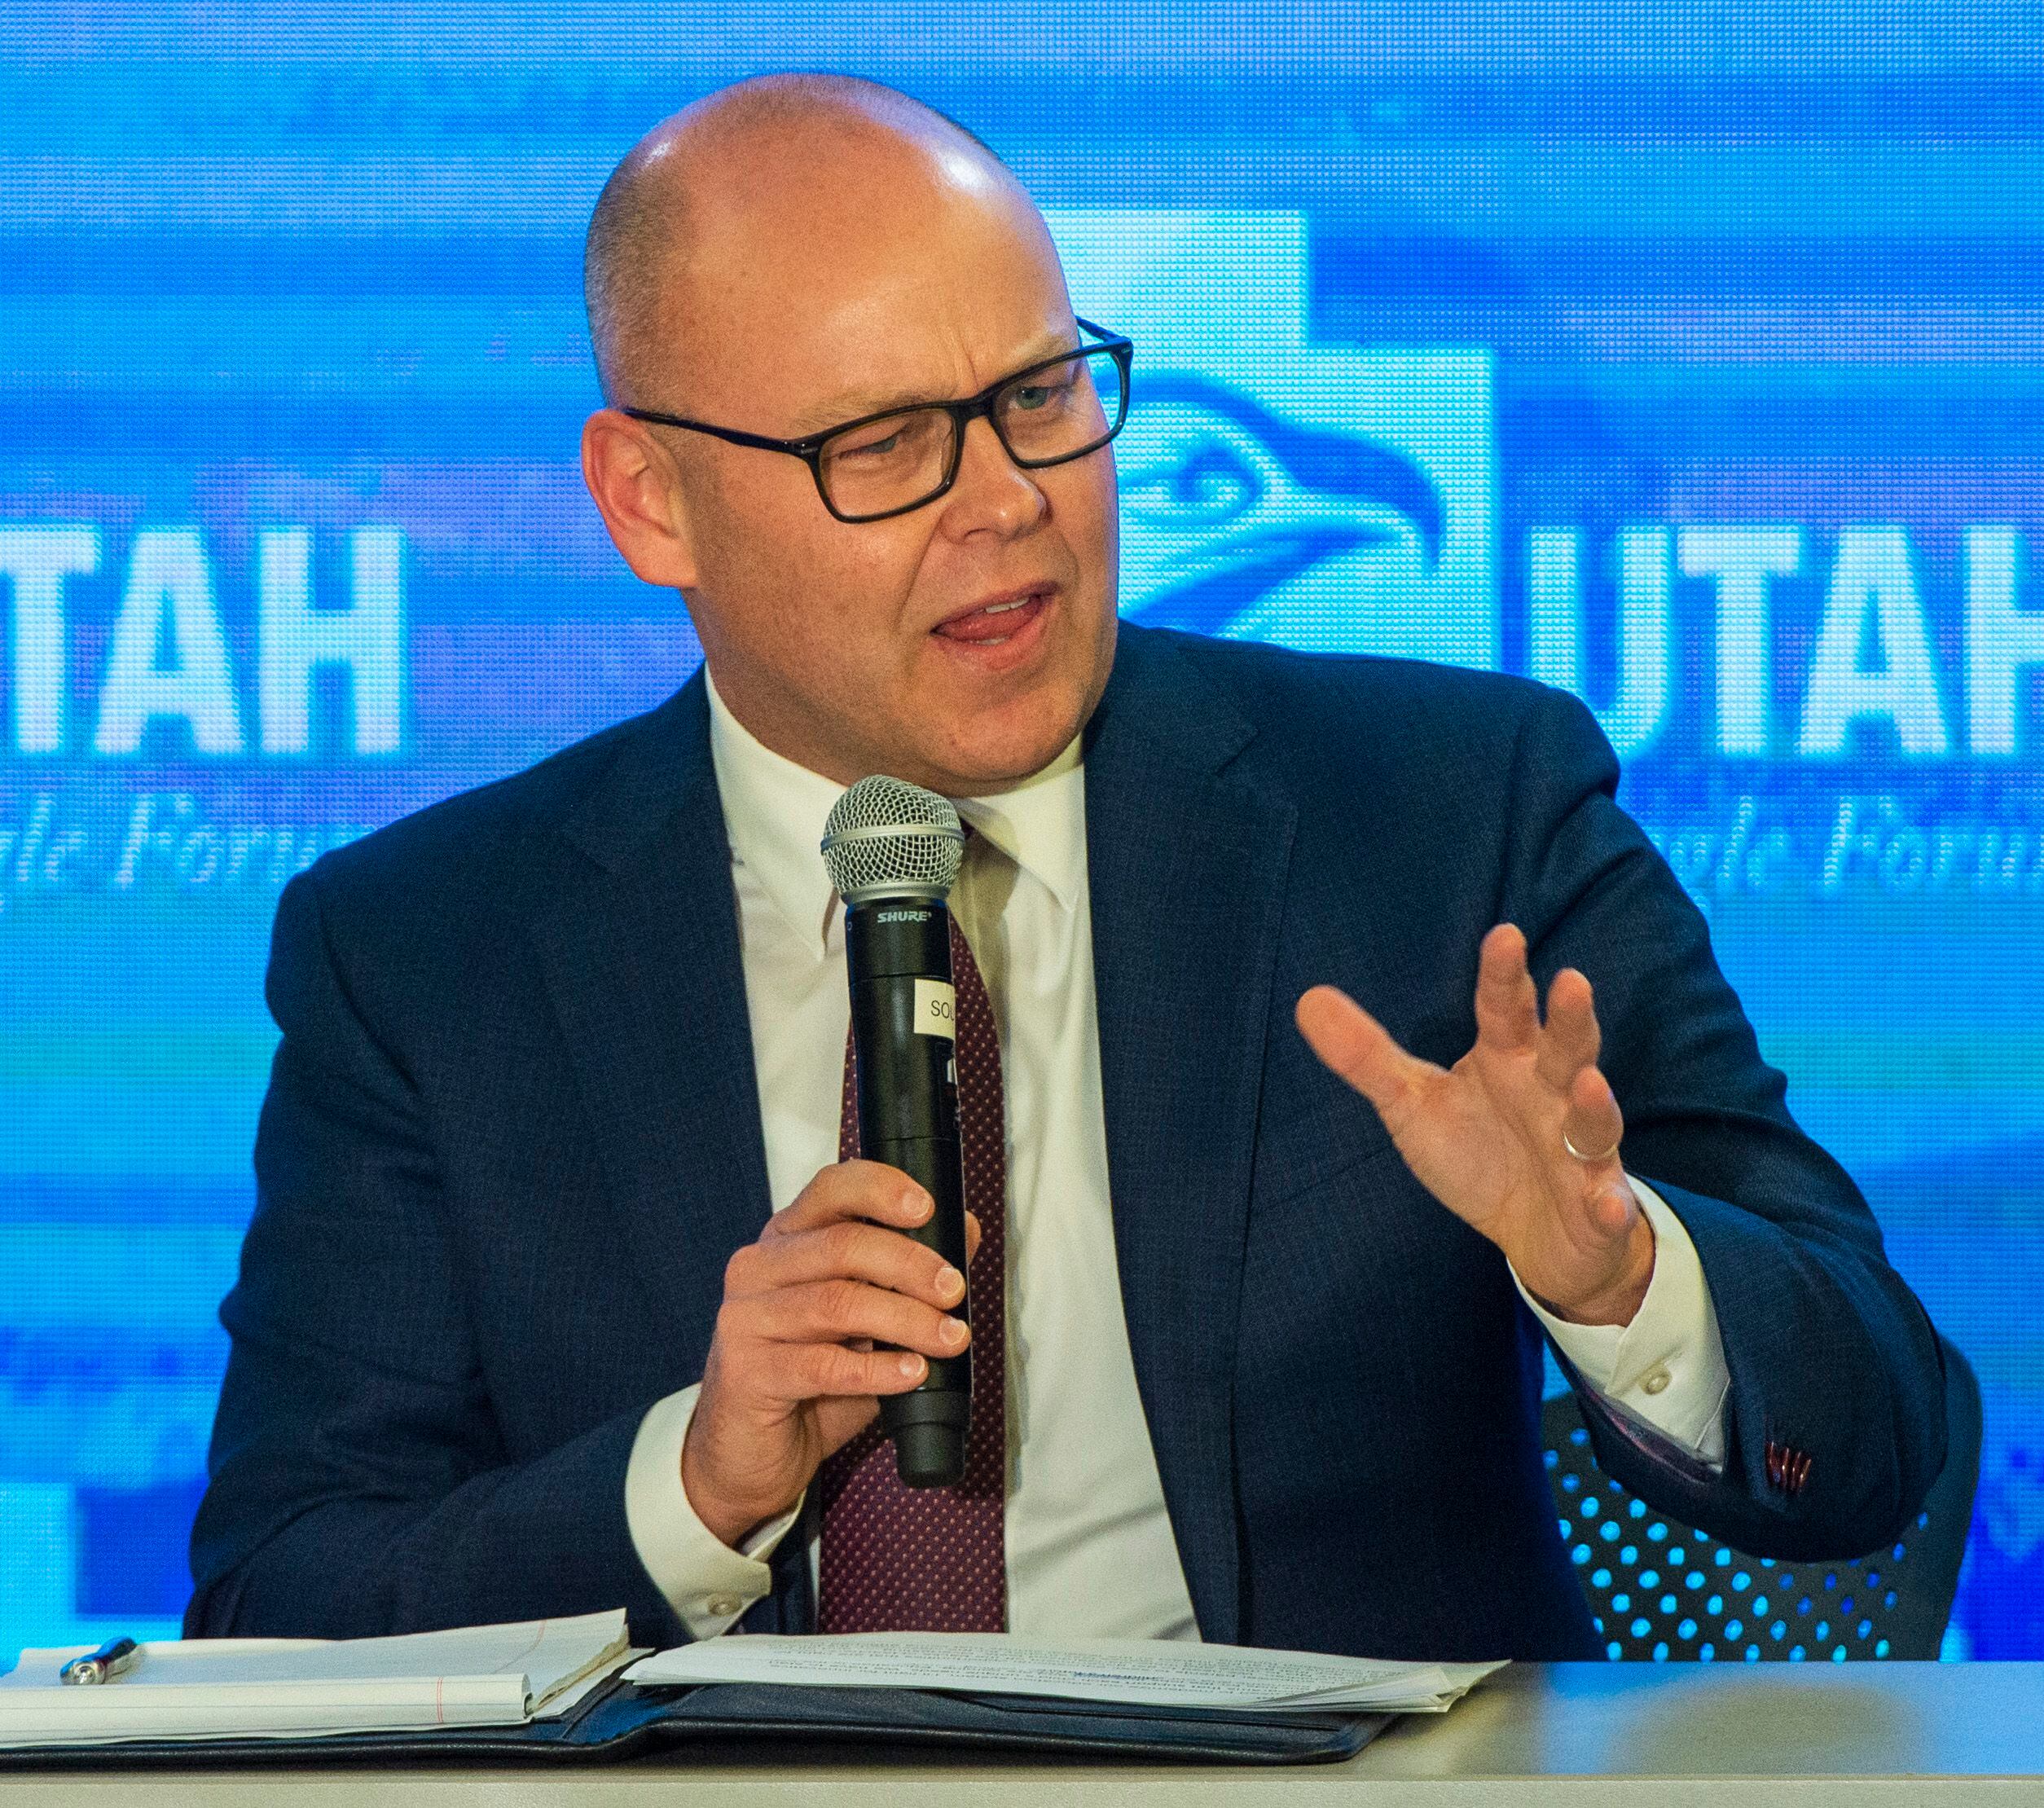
(1752, 1735)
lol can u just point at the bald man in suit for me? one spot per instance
(1354, 1042)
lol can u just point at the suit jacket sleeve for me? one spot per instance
(359, 1485)
(1828, 1351)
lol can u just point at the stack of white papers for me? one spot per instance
(283, 1688)
(1154, 1671)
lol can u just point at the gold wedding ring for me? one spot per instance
(1591, 1160)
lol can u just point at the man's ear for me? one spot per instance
(635, 484)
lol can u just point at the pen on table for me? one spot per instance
(113, 1659)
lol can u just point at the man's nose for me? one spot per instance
(992, 492)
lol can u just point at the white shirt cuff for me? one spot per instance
(707, 1583)
(1667, 1367)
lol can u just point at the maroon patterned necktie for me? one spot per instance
(933, 1559)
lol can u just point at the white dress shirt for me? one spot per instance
(1089, 1546)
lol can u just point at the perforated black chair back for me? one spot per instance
(1661, 1590)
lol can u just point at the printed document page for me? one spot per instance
(1157, 1671)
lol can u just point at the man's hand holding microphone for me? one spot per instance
(793, 1373)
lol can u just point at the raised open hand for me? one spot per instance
(1520, 1138)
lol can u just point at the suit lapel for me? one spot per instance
(641, 957)
(1187, 875)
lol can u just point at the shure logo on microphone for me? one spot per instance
(902, 916)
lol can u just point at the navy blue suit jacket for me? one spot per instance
(512, 1137)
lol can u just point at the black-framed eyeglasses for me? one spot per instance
(1058, 409)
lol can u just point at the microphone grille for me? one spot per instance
(887, 837)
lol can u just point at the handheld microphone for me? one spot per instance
(893, 849)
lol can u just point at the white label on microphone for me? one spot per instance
(936, 1009)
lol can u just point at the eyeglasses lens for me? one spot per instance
(892, 464)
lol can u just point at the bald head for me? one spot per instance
(767, 163)
(797, 253)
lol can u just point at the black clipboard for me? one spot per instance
(623, 1720)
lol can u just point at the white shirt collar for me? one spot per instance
(774, 812)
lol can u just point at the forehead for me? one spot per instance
(825, 292)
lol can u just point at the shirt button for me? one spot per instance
(723, 1606)
(1655, 1380)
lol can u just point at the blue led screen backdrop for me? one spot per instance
(1697, 366)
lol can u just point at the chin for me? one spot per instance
(980, 735)
(989, 755)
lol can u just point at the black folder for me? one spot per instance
(623, 1720)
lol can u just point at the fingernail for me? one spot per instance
(911, 1365)
(953, 1330)
(950, 1283)
(915, 1203)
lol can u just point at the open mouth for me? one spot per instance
(994, 624)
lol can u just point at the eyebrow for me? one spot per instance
(857, 405)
